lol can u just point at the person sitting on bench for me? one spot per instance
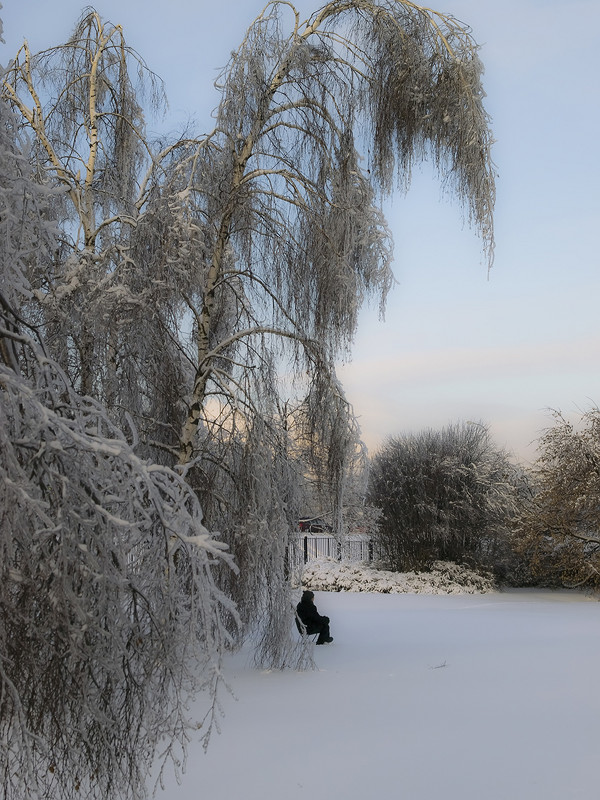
(311, 619)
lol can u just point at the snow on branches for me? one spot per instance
(109, 607)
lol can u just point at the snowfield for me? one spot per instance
(491, 696)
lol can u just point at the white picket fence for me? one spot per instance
(305, 547)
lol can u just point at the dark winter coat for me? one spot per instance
(307, 611)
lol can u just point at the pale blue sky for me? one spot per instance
(455, 344)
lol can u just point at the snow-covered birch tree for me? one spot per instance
(202, 281)
(311, 125)
(82, 103)
(110, 617)
(314, 126)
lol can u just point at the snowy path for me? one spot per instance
(487, 697)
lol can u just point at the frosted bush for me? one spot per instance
(327, 575)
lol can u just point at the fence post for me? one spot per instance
(306, 549)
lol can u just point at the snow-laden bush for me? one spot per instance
(446, 494)
(327, 575)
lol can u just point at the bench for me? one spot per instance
(311, 637)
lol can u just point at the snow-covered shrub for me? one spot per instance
(444, 495)
(327, 575)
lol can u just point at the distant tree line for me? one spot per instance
(451, 494)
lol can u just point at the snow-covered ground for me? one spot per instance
(493, 696)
